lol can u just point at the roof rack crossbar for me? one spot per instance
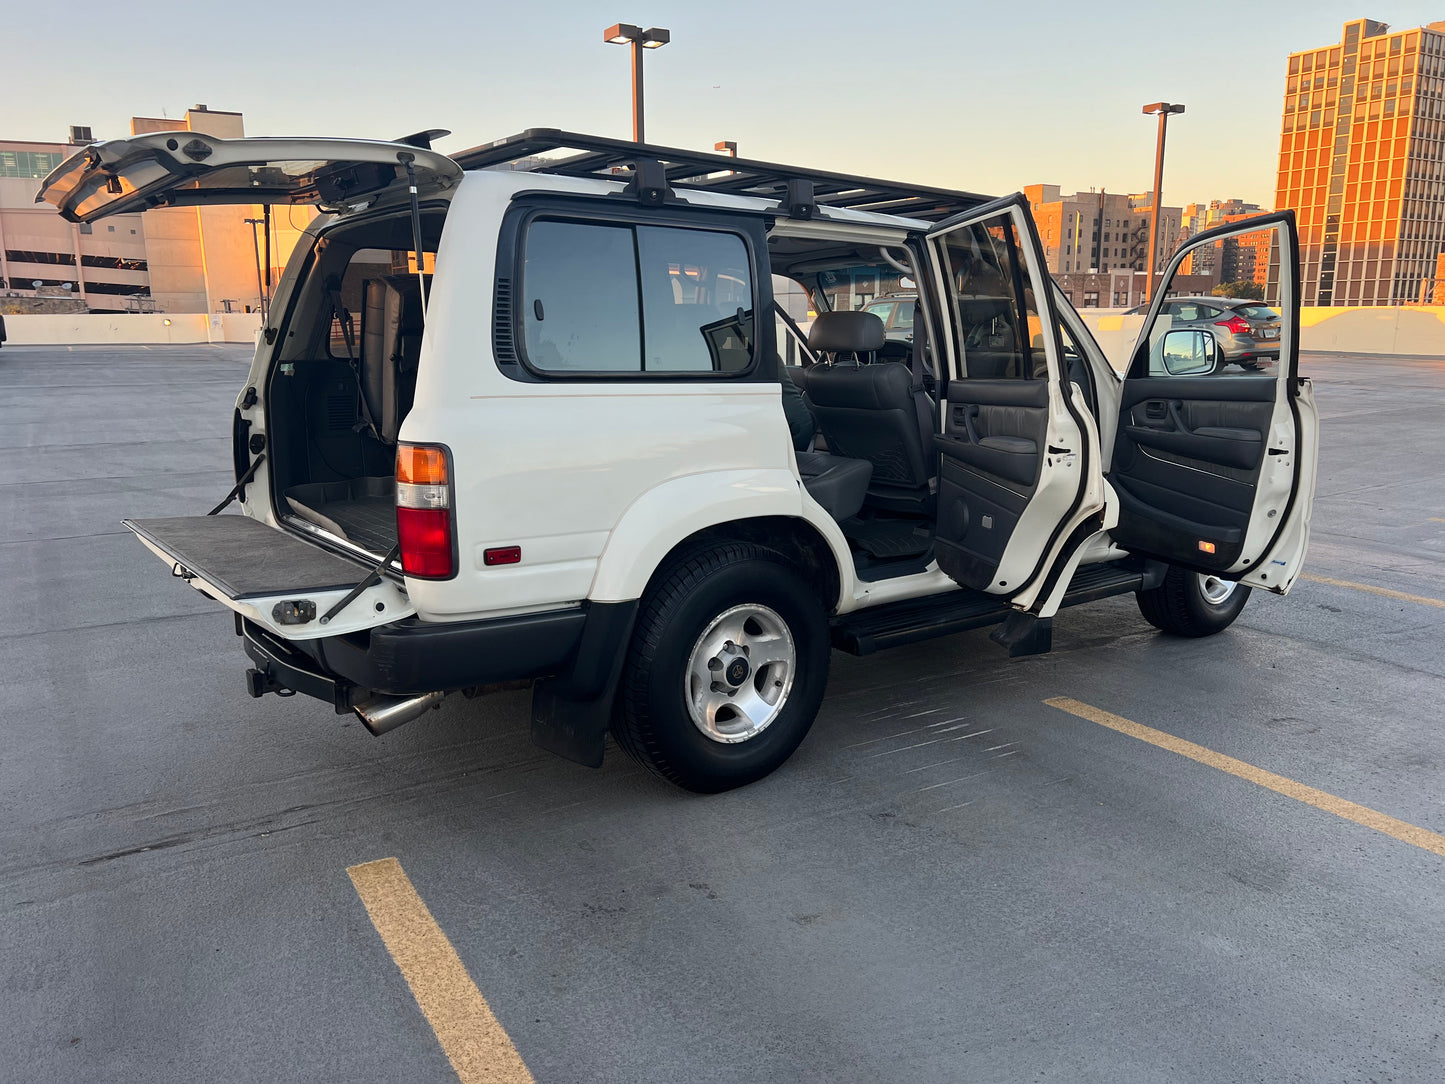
(597, 155)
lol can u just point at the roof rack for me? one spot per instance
(602, 158)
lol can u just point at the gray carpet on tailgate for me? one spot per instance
(244, 557)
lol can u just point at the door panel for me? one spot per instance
(1208, 461)
(1018, 470)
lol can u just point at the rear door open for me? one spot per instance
(1019, 471)
(178, 169)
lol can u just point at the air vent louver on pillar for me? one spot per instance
(503, 345)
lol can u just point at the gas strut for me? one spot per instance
(409, 160)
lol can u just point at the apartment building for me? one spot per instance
(1098, 232)
(1362, 163)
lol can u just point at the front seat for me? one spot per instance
(871, 411)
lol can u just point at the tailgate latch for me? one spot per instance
(294, 611)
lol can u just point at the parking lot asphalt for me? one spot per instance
(952, 880)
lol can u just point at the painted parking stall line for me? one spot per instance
(1405, 832)
(474, 1041)
(1385, 592)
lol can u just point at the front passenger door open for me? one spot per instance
(1019, 450)
(1214, 461)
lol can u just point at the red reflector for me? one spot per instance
(425, 535)
(502, 555)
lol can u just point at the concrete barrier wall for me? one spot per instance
(1418, 329)
(1415, 330)
(112, 329)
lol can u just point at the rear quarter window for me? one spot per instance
(628, 298)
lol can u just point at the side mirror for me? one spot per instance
(1189, 352)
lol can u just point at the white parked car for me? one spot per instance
(531, 424)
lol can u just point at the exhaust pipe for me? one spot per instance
(383, 713)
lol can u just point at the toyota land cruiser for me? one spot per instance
(519, 415)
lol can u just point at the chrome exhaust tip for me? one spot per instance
(383, 713)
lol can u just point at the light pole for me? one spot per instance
(651, 38)
(1164, 109)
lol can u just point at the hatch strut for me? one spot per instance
(409, 161)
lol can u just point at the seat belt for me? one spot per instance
(923, 404)
(365, 422)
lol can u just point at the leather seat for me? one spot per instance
(870, 411)
(838, 484)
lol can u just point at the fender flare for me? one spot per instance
(655, 523)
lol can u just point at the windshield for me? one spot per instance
(850, 288)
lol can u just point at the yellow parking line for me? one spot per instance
(1412, 834)
(1436, 519)
(1385, 591)
(474, 1041)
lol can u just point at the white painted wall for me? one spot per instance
(114, 329)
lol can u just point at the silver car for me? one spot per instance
(1247, 331)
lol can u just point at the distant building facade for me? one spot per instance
(172, 259)
(1362, 163)
(1098, 232)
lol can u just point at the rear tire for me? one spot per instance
(1192, 603)
(678, 710)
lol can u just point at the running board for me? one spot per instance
(866, 631)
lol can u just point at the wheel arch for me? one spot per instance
(766, 508)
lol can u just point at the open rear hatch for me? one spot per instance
(280, 582)
(177, 169)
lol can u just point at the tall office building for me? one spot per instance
(1362, 163)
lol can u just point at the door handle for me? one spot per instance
(1155, 409)
(1175, 417)
(968, 416)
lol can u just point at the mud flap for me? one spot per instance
(572, 712)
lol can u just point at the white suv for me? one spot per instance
(520, 415)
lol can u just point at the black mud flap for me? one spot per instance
(572, 712)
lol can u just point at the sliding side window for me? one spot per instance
(604, 298)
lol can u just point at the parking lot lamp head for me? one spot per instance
(654, 37)
(621, 34)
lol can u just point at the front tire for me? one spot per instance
(726, 669)
(1192, 603)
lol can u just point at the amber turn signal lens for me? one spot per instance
(1206, 547)
(420, 466)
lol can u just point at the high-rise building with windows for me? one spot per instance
(1362, 163)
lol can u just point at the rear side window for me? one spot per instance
(1256, 312)
(600, 298)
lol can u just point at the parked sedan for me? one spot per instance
(896, 312)
(1247, 331)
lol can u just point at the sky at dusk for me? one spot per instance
(985, 97)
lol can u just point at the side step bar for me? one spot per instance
(908, 622)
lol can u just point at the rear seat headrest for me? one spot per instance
(845, 333)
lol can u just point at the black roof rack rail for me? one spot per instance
(603, 158)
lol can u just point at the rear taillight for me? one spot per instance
(1235, 325)
(424, 528)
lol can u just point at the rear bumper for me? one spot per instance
(412, 657)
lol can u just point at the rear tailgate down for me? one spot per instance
(265, 574)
